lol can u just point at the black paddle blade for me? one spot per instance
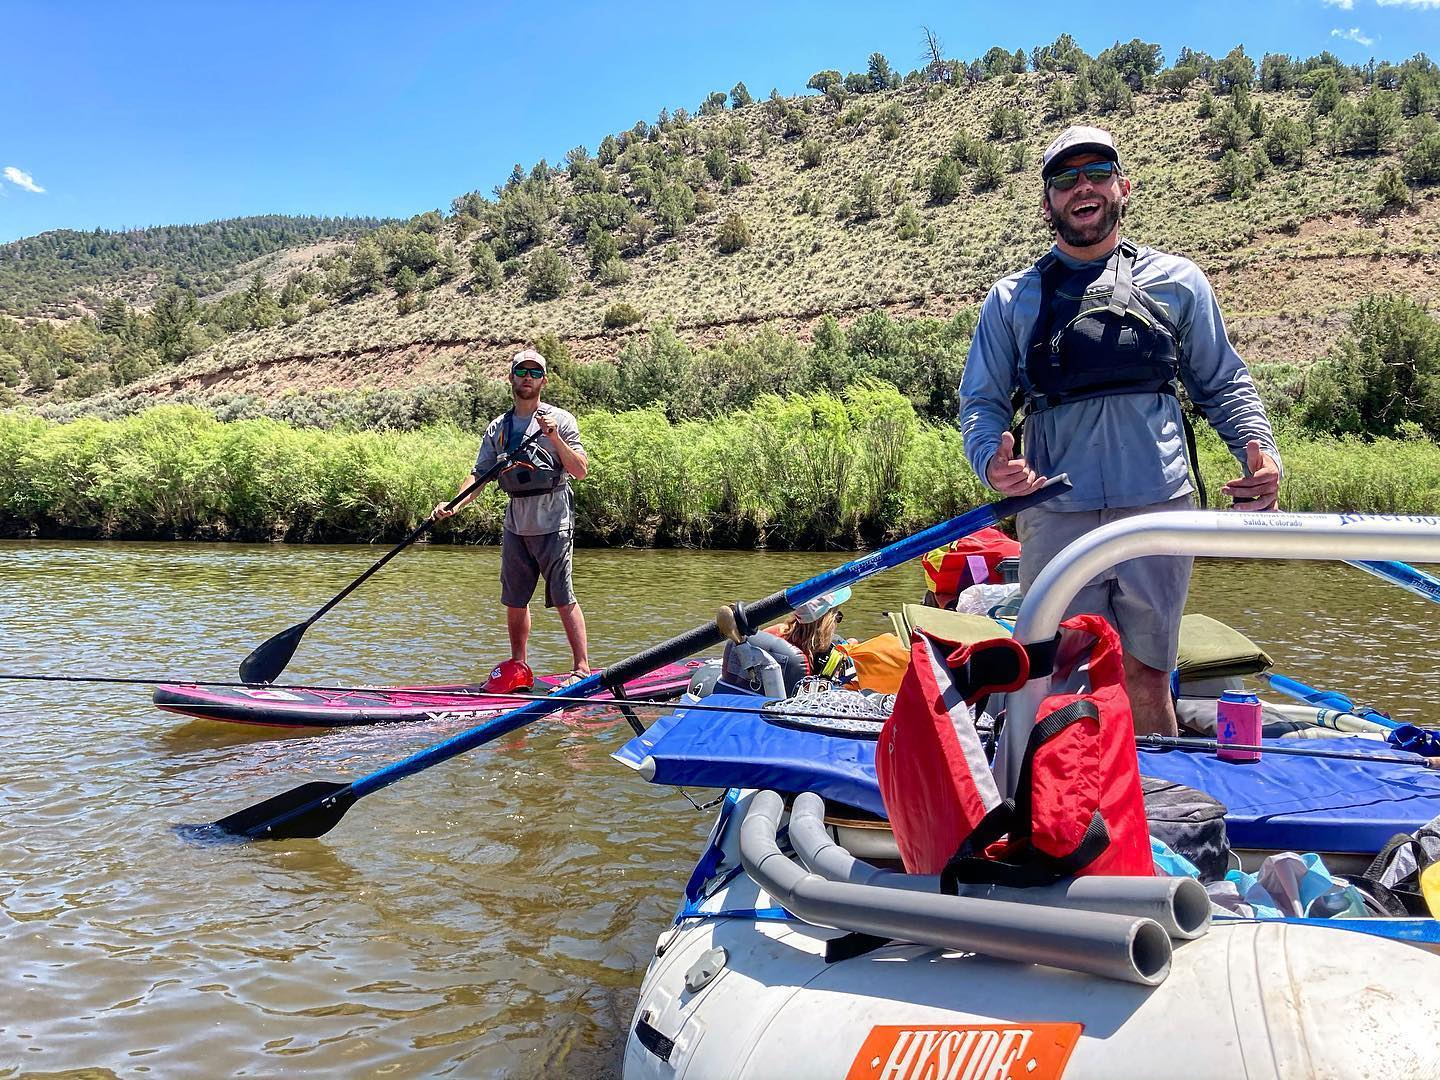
(307, 811)
(269, 659)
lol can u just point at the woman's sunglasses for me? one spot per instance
(1097, 172)
(532, 372)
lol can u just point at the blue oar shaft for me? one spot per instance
(1426, 586)
(1325, 699)
(887, 557)
(666, 652)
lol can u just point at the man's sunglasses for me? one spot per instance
(532, 372)
(1097, 172)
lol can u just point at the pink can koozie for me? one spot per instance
(1237, 720)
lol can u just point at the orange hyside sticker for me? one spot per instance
(965, 1052)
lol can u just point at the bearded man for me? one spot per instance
(1092, 342)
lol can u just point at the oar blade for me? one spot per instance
(305, 812)
(269, 659)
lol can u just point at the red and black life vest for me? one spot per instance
(1078, 808)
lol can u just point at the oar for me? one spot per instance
(1426, 586)
(269, 659)
(313, 809)
(1169, 742)
(1325, 699)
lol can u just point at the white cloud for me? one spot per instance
(1428, 5)
(22, 179)
(1353, 34)
(1343, 5)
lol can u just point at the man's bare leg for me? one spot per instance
(1150, 702)
(573, 619)
(517, 622)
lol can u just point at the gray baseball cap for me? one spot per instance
(1077, 139)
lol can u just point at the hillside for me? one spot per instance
(64, 272)
(1286, 188)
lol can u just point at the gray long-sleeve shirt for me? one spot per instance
(1123, 449)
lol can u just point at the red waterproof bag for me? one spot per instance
(971, 560)
(1078, 808)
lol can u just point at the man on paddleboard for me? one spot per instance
(539, 534)
(1094, 340)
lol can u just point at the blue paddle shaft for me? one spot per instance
(914, 546)
(684, 644)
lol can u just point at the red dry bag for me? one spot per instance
(1078, 808)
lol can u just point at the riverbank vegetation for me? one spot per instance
(809, 471)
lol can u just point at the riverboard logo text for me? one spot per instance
(965, 1052)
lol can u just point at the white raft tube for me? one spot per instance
(1179, 904)
(1228, 534)
(1127, 948)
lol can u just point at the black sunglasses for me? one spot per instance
(1097, 172)
(533, 372)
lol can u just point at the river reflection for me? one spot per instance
(490, 916)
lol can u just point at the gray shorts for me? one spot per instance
(524, 558)
(1142, 598)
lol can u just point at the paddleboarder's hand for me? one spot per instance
(441, 512)
(1259, 489)
(1010, 475)
(546, 422)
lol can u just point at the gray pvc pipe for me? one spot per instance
(1180, 905)
(1127, 948)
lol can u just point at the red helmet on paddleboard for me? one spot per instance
(510, 675)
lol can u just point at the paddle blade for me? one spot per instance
(269, 660)
(307, 811)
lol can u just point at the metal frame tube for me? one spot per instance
(1193, 532)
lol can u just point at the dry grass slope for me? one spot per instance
(1289, 261)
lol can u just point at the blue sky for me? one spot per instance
(121, 115)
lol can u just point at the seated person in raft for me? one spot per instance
(812, 628)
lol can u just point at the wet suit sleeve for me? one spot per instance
(1217, 379)
(990, 379)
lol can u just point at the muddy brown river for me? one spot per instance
(491, 916)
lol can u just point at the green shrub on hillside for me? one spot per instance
(621, 315)
(1385, 371)
(734, 234)
(1422, 163)
(945, 181)
(547, 275)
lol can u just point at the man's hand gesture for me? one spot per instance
(1011, 475)
(1260, 489)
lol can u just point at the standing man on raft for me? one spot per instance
(539, 534)
(1094, 338)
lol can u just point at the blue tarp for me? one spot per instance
(1281, 802)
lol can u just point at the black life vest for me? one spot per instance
(1098, 333)
(532, 470)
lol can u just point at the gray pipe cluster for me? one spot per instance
(1129, 947)
(1180, 905)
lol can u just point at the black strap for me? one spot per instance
(1124, 291)
(848, 946)
(1042, 656)
(1192, 453)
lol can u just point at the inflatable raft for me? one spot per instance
(801, 949)
(302, 706)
